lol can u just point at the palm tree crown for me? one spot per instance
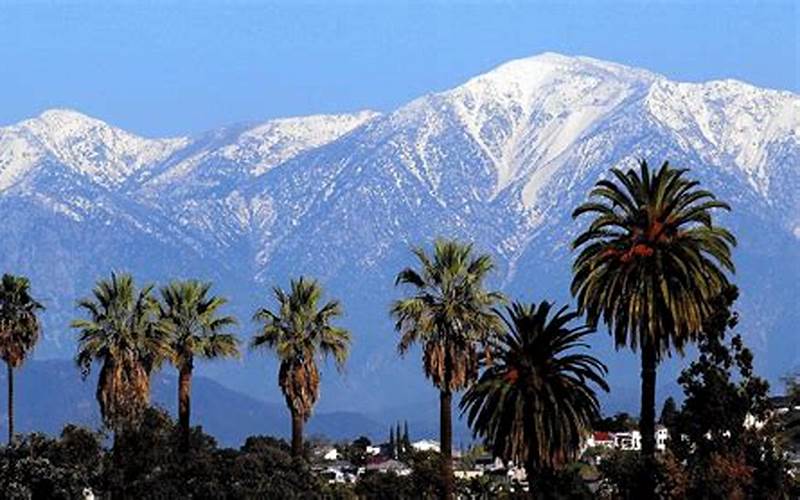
(651, 260)
(122, 332)
(535, 401)
(449, 314)
(649, 265)
(298, 331)
(19, 324)
(19, 331)
(191, 317)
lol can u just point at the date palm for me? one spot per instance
(121, 331)
(191, 317)
(299, 331)
(19, 331)
(449, 314)
(536, 400)
(649, 265)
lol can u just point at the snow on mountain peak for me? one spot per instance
(105, 154)
(273, 142)
(730, 123)
(255, 150)
(530, 111)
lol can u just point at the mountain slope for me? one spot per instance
(500, 160)
(227, 415)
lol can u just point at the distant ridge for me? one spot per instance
(50, 394)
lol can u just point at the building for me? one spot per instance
(626, 441)
(338, 472)
(600, 439)
(327, 453)
(426, 445)
(662, 435)
(388, 465)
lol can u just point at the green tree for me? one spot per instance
(450, 315)
(356, 452)
(620, 422)
(669, 413)
(196, 328)
(536, 400)
(729, 438)
(121, 332)
(19, 331)
(299, 331)
(648, 266)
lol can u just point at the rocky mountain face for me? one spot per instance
(500, 160)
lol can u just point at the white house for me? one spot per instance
(467, 474)
(600, 439)
(626, 441)
(328, 453)
(662, 434)
(426, 445)
(390, 465)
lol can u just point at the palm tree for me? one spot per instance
(19, 331)
(536, 400)
(122, 332)
(299, 331)
(196, 329)
(649, 265)
(449, 314)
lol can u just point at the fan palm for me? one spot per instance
(192, 319)
(536, 400)
(449, 314)
(19, 331)
(121, 332)
(649, 265)
(299, 331)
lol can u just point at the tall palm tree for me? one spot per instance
(649, 265)
(449, 314)
(299, 331)
(192, 319)
(122, 332)
(19, 331)
(535, 401)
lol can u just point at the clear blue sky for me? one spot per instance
(161, 68)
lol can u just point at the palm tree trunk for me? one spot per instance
(446, 436)
(647, 417)
(10, 403)
(297, 434)
(184, 403)
(530, 472)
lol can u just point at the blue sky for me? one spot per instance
(160, 68)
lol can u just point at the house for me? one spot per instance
(374, 450)
(467, 473)
(338, 472)
(380, 464)
(328, 453)
(426, 445)
(600, 439)
(626, 441)
(662, 435)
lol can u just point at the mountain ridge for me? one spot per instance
(500, 160)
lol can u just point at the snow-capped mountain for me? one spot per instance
(500, 160)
